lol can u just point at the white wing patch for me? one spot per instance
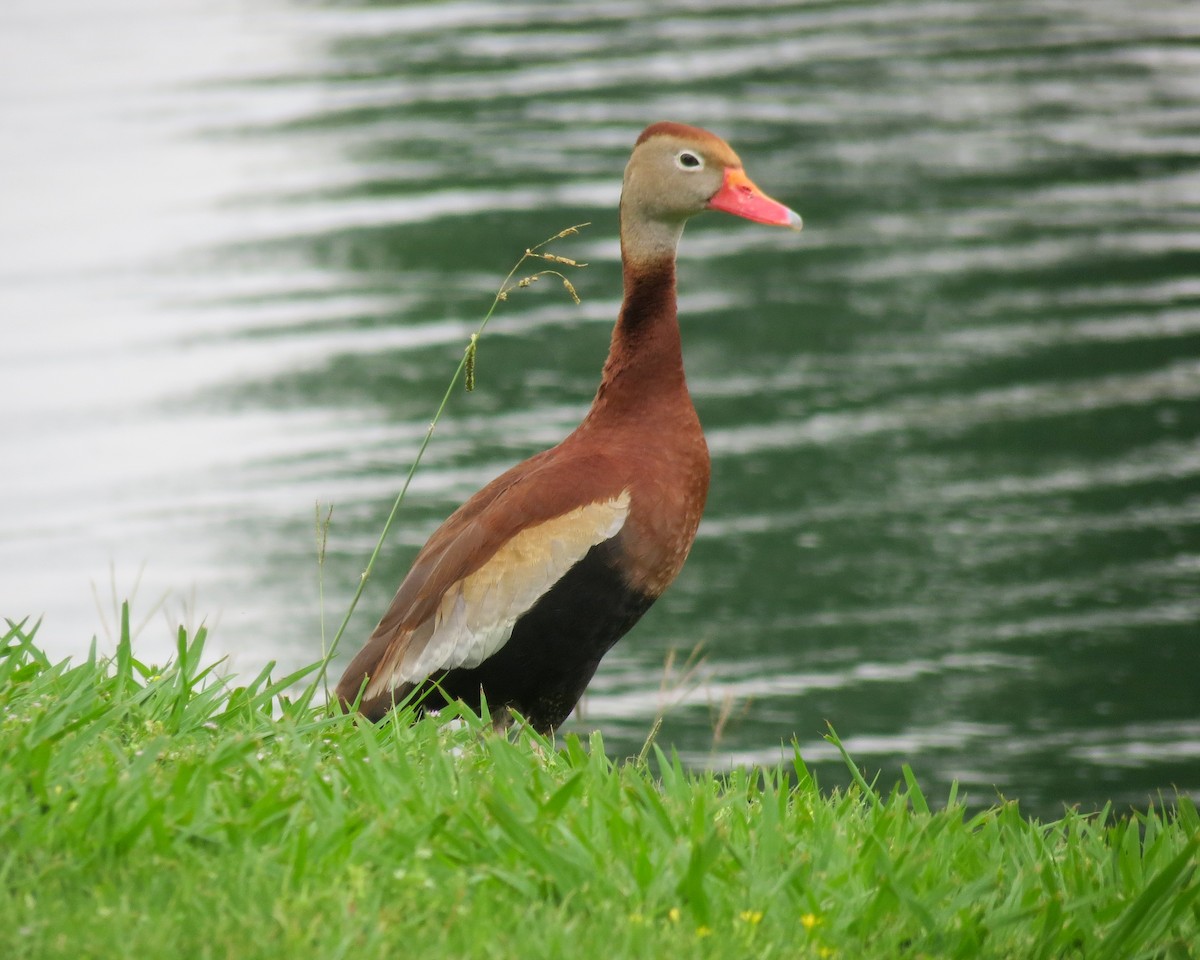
(477, 614)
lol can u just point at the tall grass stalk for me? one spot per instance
(465, 365)
(322, 527)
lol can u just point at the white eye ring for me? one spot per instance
(689, 161)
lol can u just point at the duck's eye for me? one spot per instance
(686, 160)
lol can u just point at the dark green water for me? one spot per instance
(955, 508)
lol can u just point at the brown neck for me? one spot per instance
(645, 359)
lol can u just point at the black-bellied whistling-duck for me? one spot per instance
(531, 581)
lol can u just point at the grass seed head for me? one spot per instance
(469, 363)
(555, 258)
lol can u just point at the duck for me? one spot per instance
(516, 598)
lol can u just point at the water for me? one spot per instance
(956, 490)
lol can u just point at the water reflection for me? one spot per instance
(956, 499)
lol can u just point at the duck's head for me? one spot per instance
(677, 171)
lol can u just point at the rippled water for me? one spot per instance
(956, 492)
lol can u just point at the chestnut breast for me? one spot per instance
(665, 466)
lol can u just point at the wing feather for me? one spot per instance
(475, 615)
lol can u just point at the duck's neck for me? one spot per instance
(644, 369)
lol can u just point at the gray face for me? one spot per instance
(669, 178)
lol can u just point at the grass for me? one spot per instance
(168, 812)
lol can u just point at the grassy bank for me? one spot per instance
(165, 813)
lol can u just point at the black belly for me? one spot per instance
(554, 650)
